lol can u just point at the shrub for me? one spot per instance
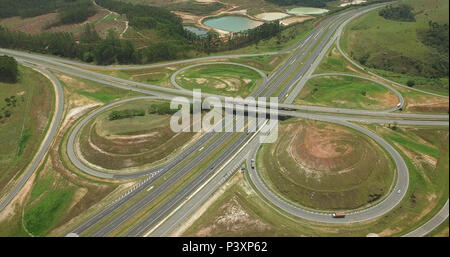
(8, 69)
(402, 12)
(124, 114)
(410, 83)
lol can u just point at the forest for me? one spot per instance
(402, 12)
(70, 11)
(175, 42)
(8, 69)
(437, 38)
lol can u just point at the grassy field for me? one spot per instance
(53, 201)
(154, 76)
(266, 63)
(82, 91)
(324, 166)
(241, 212)
(335, 62)
(57, 195)
(415, 101)
(22, 132)
(220, 79)
(346, 92)
(131, 142)
(396, 46)
(41, 214)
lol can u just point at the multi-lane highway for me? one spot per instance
(286, 82)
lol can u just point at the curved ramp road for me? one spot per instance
(389, 202)
(173, 78)
(46, 143)
(115, 174)
(432, 224)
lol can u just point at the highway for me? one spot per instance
(286, 83)
(153, 217)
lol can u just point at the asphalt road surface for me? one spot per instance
(306, 56)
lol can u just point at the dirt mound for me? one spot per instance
(323, 149)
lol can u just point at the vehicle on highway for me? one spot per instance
(338, 215)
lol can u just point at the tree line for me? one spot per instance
(8, 69)
(76, 11)
(124, 114)
(147, 17)
(70, 11)
(312, 3)
(402, 12)
(436, 37)
(213, 43)
(176, 42)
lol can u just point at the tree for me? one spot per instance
(106, 52)
(402, 12)
(89, 34)
(8, 69)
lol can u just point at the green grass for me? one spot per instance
(220, 78)
(26, 135)
(266, 63)
(334, 62)
(396, 46)
(411, 144)
(158, 143)
(345, 92)
(20, 134)
(155, 76)
(43, 184)
(100, 96)
(433, 85)
(319, 182)
(13, 227)
(92, 90)
(39, 217)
